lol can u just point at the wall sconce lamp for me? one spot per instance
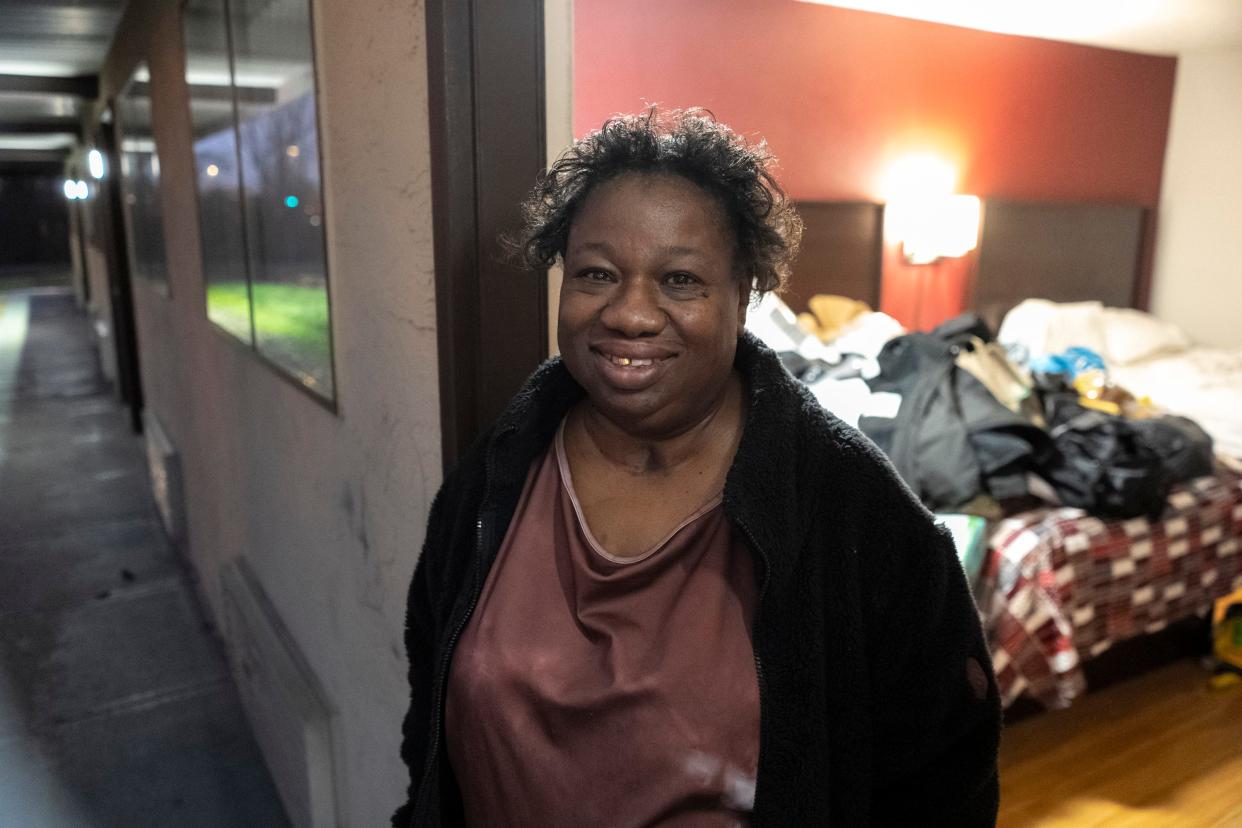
(934, 227)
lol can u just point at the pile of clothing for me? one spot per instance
(976, 428)
(978, 431)
(835, 371)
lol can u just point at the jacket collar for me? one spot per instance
(761, 489)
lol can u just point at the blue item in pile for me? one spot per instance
(1071, 362)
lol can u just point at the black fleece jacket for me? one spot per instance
(877, 701)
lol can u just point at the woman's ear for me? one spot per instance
(743, 303)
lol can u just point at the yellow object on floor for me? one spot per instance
(1227, 640)
(1221, 681)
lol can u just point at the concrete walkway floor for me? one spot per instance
(116, 705)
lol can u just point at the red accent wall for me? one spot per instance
(838, 94)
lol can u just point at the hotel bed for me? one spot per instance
(1060, 586)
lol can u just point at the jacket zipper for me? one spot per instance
(763, 588)
(433, 753)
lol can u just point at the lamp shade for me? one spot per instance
(935, 227)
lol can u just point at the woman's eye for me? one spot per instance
(681, 280)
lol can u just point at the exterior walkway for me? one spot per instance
(116, 705)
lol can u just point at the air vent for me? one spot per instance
(292, 720)
(165, 466)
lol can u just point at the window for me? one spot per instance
(252, 103)
(140, 181)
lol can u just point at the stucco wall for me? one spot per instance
(329, 508)
(1197, 281)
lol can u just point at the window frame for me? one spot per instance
(116, 111)
(330, 403)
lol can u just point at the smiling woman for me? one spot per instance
(666, 585)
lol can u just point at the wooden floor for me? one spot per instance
(1159, 750)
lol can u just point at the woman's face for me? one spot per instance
(651, 303)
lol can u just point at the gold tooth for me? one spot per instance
(625, 360)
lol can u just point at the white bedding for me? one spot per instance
(1204, 384)
(1145, 355)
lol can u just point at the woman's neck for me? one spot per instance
(718, 429)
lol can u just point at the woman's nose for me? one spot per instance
(634, 309)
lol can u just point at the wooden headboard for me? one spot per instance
(1059, 251)
(1065, 252)
(841, 248)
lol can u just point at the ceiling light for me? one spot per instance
(95, 160)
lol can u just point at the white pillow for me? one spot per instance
(1132, 335)
(1044, 327)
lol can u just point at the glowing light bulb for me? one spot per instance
(933, 227)
(95, 161)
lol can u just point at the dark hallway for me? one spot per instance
(116, 705)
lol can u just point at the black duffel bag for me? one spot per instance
(1182, 444)
(1104, 465)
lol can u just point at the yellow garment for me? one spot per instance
(1096, 391)
(1100, 405)
(829, 314)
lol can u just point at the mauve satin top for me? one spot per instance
(588, 690)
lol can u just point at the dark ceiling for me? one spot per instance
(50, 54)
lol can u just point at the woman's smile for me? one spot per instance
(629, 369)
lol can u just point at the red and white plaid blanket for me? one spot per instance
(1061, 586)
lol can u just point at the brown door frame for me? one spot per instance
(77, 229)
(486, 106)
(120, 289)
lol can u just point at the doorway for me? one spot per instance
(499, 95)
(110, 236)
